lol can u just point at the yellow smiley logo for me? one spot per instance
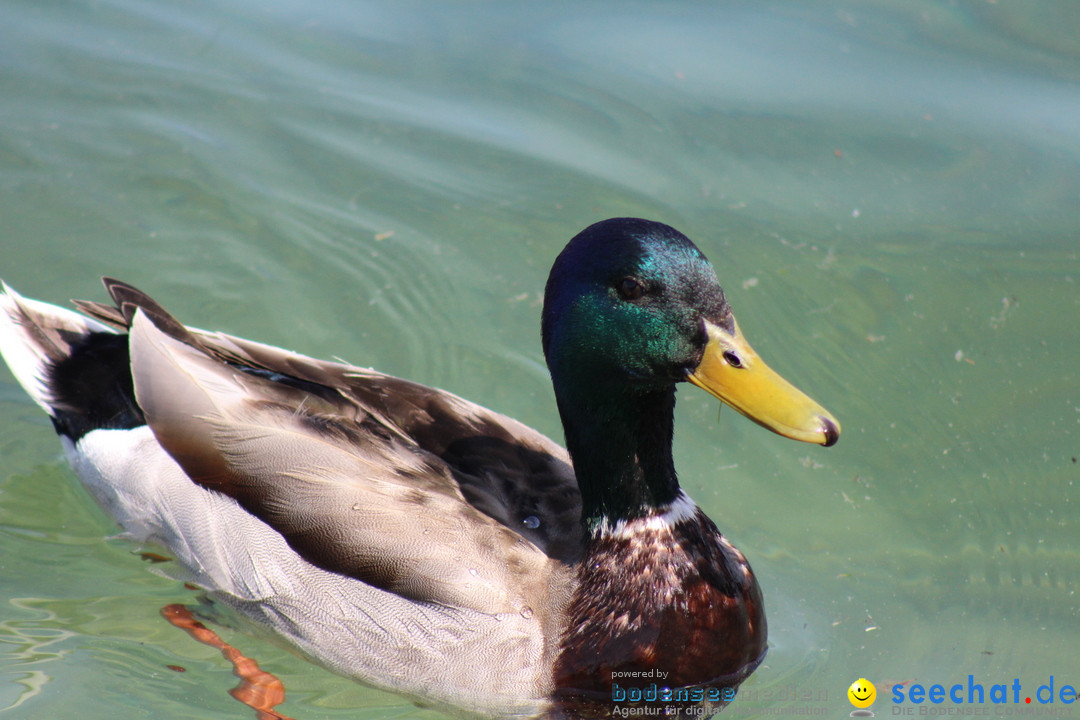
(862, 693)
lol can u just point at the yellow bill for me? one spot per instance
(732, 372)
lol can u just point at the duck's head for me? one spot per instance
(633, 307)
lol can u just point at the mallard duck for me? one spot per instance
(402, 536)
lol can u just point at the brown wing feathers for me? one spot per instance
(346, 464)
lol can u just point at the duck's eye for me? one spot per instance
(630, 288)
(732, 359)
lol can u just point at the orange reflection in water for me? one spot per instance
(258, 689)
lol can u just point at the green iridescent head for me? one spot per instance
(633, 307)
(624, 304)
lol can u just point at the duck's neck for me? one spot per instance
(620, 444)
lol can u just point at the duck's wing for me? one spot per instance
(501, 467)
(407, 488)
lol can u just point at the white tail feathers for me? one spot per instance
(33, 334)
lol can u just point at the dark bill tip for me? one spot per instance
(832, 433)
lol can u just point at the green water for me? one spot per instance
(889, 189)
